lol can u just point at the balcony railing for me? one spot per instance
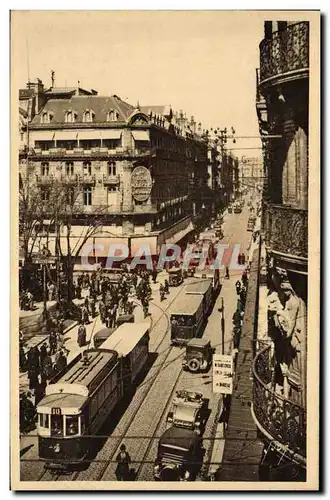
(287, 50)
(87, 179)
(286, 230)
(111, 179)
(280, 419)
(45, 179)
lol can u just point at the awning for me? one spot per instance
(111, 134)
(140, 135)
(100, 246)
(180, 234)
(66, 135)
(42, 135)
(89, 134)
(144, 245)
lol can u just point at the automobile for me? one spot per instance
(251, 223)
(179, 456)
(101, 336)
(189, 410)
(198, 356)
(175, 276)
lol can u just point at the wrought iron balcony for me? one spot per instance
(87, 179)
(279, 419)
(286, 51)
(111, 179)
(45, 179)
(286, 230)
(69, 178)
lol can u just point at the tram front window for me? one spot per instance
(57, 425)
(71, 426)
(44, 420)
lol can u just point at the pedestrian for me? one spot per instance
(243, 259)
(60, 361)
(93, 307)
(238, 287)
(78, 290)
(239, 259)
(123, 464)
(33, 364)
(43, 353)
(227, 273)
(81, 340)
(102, 311)
(22, 357)
(51, 291)
(52, 341)
(86, 304)
(154, 274)
(166, 287)
(85, 315)
(39, 393)
(46, 368)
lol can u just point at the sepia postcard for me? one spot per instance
(165, 221)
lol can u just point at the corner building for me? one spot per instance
(134, 165)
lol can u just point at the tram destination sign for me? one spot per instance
(141, 183)
(222, 374)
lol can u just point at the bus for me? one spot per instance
(187, 319)
(82, 396)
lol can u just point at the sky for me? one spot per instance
(202, 62)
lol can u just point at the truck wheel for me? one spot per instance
(194, 365)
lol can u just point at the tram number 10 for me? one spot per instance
(56, 411)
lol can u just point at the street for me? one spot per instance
(144, 419)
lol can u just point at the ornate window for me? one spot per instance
(87, 196)
(88, 116)
(45, 168)
(70, 116)
(87, 168)
(46, 117)
(112, 116)
(112, 170)
(69, 168)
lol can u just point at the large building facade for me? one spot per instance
(279, 404)
(142, 171)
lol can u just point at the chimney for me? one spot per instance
(193, 124)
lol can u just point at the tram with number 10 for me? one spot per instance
(80, 399)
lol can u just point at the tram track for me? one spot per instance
(48, 476)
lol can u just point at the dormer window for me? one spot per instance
(88, 116)
(112, 116)
(46, 117)
(70, 116)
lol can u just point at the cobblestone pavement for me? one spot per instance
(145, 414)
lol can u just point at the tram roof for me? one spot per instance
(200, 287)
(69, 403)
(126, 337)
(186, 305)
(83, 369)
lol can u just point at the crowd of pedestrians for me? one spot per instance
(106, 295)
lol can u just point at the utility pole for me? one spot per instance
(222, 326)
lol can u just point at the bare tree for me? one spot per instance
(67, 211)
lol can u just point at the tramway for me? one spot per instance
(147, 387)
